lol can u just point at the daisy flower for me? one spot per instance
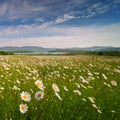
(23, 108)
(55, 88)
(95, 106)
(91, 99)
(25, 96)
(65, 88)
(39, 95)
(114, 83)
(104, 76)
(99, 111)
(77, 92)
(39, 84)
(58, 96)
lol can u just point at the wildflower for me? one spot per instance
(77, 92)
(77, 84)
(65, 88)
(91, 99)
(83, 80)
(23, 108)
(99, 111)
(84, 99)
(39, 95)
(83, 86)
(31, 90)
(90, 65)
(114, 83)
(18, 81)
(55, 88)
(113, 111)
(2, 88)
(15, 88)
(58, 96)
(65, 67)
(89, 73)
(107, 84)
(94, 106)
(25, 96)
(90, 87)
(104, 76)
(39, 84)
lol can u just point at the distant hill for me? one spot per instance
(38, 50)
(28, 49)
(97, 48)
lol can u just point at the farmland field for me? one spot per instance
(81, 87)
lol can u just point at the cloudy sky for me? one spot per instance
(60, 23)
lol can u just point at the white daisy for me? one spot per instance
(77, 92)
(58, 96)
(23, 108)
(114, 83)
(91, 99)
(39, 84)
(95, 106)
(65, 88)
(55, 87)
(25, 96)
(39, 95)
(104, 76)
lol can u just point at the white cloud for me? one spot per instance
(23, 30)
(63, 36)
(65, 17)
(18, 9)
(96, 9)
(39, 19)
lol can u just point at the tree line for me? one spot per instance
(6, 53)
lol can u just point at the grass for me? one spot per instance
(78, 78)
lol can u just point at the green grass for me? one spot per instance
(90, 75)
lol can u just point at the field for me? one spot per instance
(81, 87)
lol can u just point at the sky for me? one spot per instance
(60, 23)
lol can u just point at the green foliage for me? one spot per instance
(105, 53)
(6, 53)
(79, 79)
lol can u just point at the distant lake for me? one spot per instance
(30, 53)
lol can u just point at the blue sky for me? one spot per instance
(60, 23)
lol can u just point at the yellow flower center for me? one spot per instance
(25, 96)
(39, 95)
(23, 107)
(54, 88)
(38, 84)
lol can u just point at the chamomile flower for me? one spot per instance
(65, 88)
(23, 108)
(39, 84)
(58, 96)
(91, 99)
(95, 106)
(114, 83)
(77, 92)
(104, 76)
(39, 95)
(55, 88)
(25, 96)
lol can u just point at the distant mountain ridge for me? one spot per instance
(35, 49)
(26, 48)
(97, 48)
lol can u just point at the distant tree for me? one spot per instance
(6, 53)
(100, 53)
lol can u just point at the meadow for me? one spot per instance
(79, 87)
